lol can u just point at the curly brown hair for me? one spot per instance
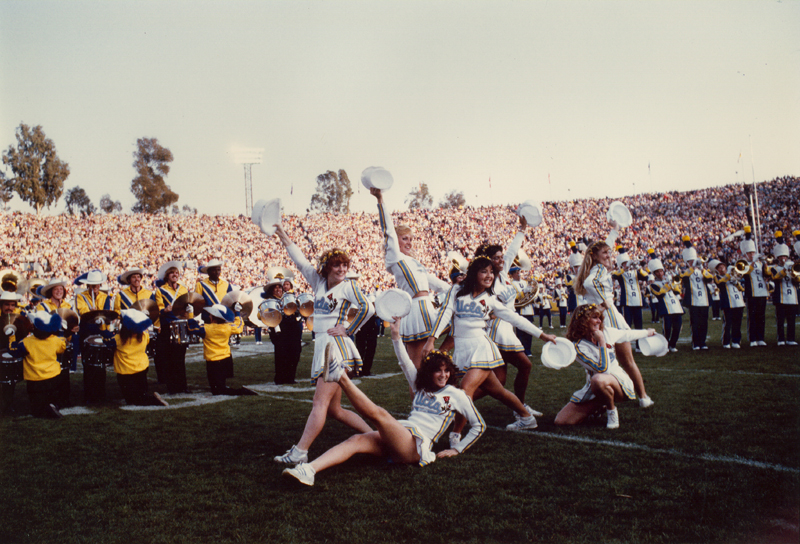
(579, 322)
(434, 361)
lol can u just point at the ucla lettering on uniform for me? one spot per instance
(427, 403)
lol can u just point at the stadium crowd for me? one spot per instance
(67, 246)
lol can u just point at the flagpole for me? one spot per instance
(756, 218)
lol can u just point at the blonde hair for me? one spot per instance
(402, 230)
(589, 260)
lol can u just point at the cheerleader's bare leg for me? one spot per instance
(415, 350)
(524, 367)
(625, 357)
(327, 402)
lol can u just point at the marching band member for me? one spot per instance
(41, 369)
(216, 334)
(9, 305)
(130, 358)
(170, 358)
(436, 400)
(53, 295)
(651, 298)
(731, 295)
(562, 296)
(545, 302)
(333, 297)
(94, 378)
(755, 291)
(212, 287)
(785, 295)
(594, 282)
(133, 291)
(575, 261)
(285, 370)
(469, 306)
(669, 305)
(606, 381)
(694, 281)
(412, 277)
(713, 293)
(526, 311)
(293, 331)
(629, 277)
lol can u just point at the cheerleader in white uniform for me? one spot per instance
(606, 381)
(596, 284)
(469, 305)
(436, 401)
(334, 295)
(501, 332)
(412, 277)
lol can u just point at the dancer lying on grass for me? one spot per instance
(436, 400)
(606, 381)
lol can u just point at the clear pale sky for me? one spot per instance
(551, 100)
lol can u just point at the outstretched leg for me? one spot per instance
(327, 401)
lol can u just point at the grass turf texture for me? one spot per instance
(715, 460)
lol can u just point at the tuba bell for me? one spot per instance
(794, 271)
(527, 295)
(11, 280)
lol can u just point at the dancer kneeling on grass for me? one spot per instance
(606, 381)
(436, 400)
(470, 305)
(216, 334)
(334, 295)
(130, 358)
(596, 285)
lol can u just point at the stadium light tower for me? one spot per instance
(248, 156)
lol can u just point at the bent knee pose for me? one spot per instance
(469, 306)
(436, 401)
(606, 381)
(501, 332)
(595, 284)
(334, 295)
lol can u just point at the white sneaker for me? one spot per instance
(792, 343)
(455, 438)
(703, 347)
(531, 411)
(753, 344)
(695, 348)
(303, 473)
(726, 346)
(333, 370)
(762, 343)
(293, 456)
(735, 346)
(781, 343)
(645, 402)
(522, 424)
(673, 350)
(613, 419)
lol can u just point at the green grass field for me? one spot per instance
(715, 460)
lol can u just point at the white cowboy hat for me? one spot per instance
(210, 264)
(123, 278)
(162, 272)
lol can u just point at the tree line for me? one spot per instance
(33, 171)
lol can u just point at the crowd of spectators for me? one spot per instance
(66, 246)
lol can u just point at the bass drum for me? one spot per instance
(95, 353)
(10, 368)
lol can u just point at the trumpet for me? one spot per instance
(794, 271)
(769, 260)
(740, 268)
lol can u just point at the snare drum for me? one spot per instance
(179, 332)
(269, 312)
(95, 353)
(306, 304)
(10, 368)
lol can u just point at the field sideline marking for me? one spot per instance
(740, 372)
(626, 445)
